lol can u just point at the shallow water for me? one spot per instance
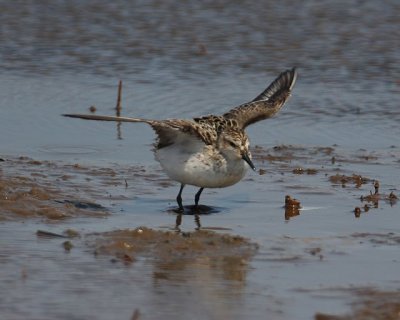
(186, 60)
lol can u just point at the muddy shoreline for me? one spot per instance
(57, 193)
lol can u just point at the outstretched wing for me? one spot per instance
(266, 104)
(168, 131)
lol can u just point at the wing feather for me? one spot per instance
(266, 104)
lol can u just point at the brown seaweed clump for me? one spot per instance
(292, 207)
(170, 251)
(373, 304)
(355, 179)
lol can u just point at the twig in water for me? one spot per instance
(118, 106)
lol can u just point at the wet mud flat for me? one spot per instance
(70, 215)
(174, 250)
(40, 194)
(371, 304)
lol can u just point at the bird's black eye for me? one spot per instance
(232, 144)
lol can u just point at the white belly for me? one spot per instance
(200, 166)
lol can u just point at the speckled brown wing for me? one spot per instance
(218, 123)
(178, 131)
(266, 104)
(168, 131)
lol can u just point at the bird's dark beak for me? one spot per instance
(246, 158)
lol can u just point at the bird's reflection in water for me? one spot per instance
(196, 212)
(179, 222)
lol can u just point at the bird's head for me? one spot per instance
(234, 144)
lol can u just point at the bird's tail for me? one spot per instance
(105, 118)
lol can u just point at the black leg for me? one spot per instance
(179, 198)
(197, 197)
(178, 222)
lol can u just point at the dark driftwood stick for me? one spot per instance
(118, 106)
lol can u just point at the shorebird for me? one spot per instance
(211, 151)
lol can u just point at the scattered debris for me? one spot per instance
(358, 180)
(300, 170)
(392, 197)
(292, 207)
(316, 252)
(67, 246)
(376, 197)
(371, 198)
(291, 202)
(376, 186)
